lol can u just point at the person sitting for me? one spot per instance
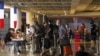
(21, 36)
(81, 52)
(10, 35)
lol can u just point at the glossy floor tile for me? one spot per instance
(29, 53)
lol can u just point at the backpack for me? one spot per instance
(39, 30)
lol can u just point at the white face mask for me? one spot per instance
(81, 25)
(66, 26)
(57, 23)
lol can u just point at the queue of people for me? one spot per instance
(80, 36)
(45, 38)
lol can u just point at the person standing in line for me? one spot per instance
(29, 34)
(93, 33)
(62, 32)
(82, 28)
(29, 30)
(37, 37)
(45, 40)
(69, 33)
(82, 33)
(50, 32)
(67, 46)
(87, 39)
(77, 40)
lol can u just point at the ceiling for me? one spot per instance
(54, 7)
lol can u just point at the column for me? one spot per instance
(2, 23)
(15, 18)
(19, 21)
(1, 14)
(43, 17)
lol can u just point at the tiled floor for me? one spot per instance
(7, 53)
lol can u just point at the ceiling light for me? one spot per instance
(38, 12)
(20, 4)
(65, 13)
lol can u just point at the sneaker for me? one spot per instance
(18, 53)
(27, 48)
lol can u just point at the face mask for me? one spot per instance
(57, 23)
(66, 26)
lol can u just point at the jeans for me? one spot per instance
(16, 45)
(61, 46)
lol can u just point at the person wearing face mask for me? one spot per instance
(69, 32)
(50, 29)
(82, 28)
(93, 33)
(61, 33)
(8, 40)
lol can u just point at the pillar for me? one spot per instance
(43, 17)
(1, 14)
(15, 18)
(19, 19)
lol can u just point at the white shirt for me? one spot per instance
(29, 30)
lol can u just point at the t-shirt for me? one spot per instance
(8, 37)
(62, 31)
(50, 33)
(29, 30)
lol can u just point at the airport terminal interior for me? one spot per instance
(49, 27)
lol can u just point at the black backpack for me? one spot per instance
(39, 29)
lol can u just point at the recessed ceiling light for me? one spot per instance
(65, 13)
(20, 4)
(38, 12)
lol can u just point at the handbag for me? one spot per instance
(64, 41)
